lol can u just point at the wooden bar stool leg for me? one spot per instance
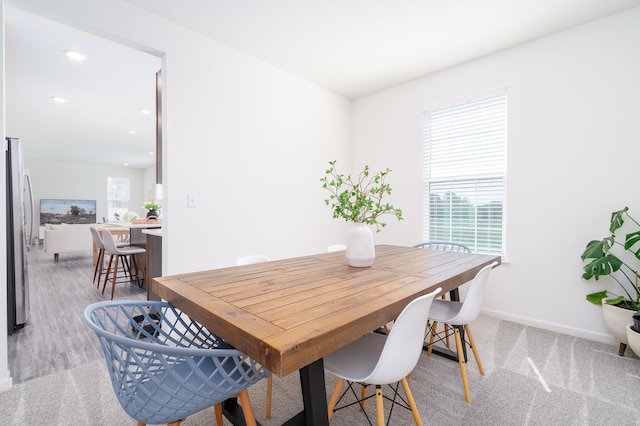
(144, 274)
(125, 265)
(133, 263)
(113, 282)
(106, 276)
(98, 264)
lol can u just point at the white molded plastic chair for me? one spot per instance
(336, 247)
(460, 314)
(379, 359)
(254, 258)
(250, 260)
(113, 250)
(445, 246)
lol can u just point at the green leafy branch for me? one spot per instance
(359, 200)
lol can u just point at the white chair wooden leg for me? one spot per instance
(245, 403)
(473, 348)
(217, 409)
(334, 397)
(363, 395)
(269, 395)
(379, 406)
(412, 402)
(433, 337)
(463, 367)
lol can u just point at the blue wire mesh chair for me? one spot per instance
(445, 246)
(164, 366)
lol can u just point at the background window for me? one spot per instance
(118, 196)
(465, 173)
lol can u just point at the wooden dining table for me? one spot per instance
(288, 314)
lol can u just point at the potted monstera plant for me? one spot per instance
(617, 259)
(359, 200)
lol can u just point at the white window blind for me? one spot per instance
(465, 173)
(118, 196)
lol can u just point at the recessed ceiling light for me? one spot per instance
(125, 164)
(132, 132)
(58, 99)
(145, 111)
(76, 56)
(151, 153)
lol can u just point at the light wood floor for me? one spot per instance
(55, 337)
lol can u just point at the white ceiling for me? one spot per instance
(356, 47)
(352, 47)
(104, 95)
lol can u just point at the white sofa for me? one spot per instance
(66, 238)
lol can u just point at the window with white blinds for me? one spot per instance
(465, 173)
(118, 196)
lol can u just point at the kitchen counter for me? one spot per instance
(136, 225)
(156, 232)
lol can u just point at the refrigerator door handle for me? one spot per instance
(27, 179)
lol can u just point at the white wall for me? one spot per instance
(573, 149)
(149, 193)
(250, 140)
(71, 181)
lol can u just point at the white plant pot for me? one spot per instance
(633, 340)
(360, 250)
(616, 319)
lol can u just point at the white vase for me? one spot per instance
(360, 250)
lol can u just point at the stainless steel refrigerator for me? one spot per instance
(20, 228)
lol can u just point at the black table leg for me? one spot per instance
(314, 397)
(233, 412)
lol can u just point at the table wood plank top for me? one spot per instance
(289, 313)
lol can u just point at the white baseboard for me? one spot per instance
(558, 328)
(5, 383)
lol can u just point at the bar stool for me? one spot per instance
(97, 241)
(121, 253)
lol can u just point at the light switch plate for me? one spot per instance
(192, 200)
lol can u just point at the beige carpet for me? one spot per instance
(533, 377)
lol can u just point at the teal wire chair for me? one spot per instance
(164, 366)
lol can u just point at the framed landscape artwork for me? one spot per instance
(67, 211)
